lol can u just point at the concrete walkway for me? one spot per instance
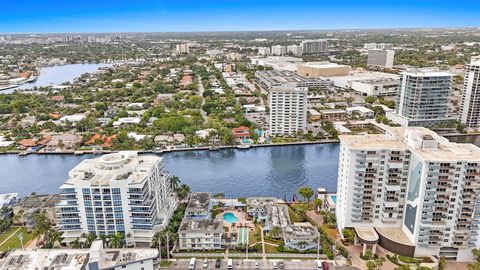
(264, 256)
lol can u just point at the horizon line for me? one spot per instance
(244, 31)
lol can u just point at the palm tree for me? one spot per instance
(174, 182)
(302, 244)
(89, 239)
(116, 240)
(183, 191)
(275, 232)
(104, 239)
(76, 243)
(53, 237)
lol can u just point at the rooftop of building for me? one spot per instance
(201, 225)
(322, 65)
(67, 259)
(36, 201)
(262, 201)
(119, 166)
(283, 76)
(426, 73)
(425, 143)
(7, 198)
(300, 230)
(199, 202)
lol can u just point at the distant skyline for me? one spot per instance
(59, 16)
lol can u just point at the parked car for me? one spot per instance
(274, 265)
(205, 263)
(281, 265)
(257, 265)
(218, 263)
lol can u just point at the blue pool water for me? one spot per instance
(334, 199)
(230, 217)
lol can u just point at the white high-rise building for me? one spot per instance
(470, 108)
(423, 98)
(279, 50)
(411, 191)
(263, 51)
(296, 50)
(381, 58)
(182, 48)
(121, 192)
(314, 46)
(288, 110)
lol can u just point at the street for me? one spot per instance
(246, 264)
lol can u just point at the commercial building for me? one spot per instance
(96, 258)
(116, 193)
(278, 62)
(423, 98)
(279, 50)
(411, 191)
(321, 69)
(381, 58)
(182, 48)
(376, 87)
(470, 108)
(276, 78)
(295, 50)
(378, 46)
(314, 46)
(288, 110)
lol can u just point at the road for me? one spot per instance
(201, 89)
(246, 264)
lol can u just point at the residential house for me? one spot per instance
(241, 133)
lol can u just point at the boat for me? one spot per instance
(243, 146)
(213, 148)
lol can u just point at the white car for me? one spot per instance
(257, 265)
(274, 265)
(205, 263)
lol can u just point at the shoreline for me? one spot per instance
(201, 148)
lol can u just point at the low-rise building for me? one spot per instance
(314, 115)
(201, 234)
(321, 69)
(301, 236)
(333, 115)
(276, 78)
(241, 133)
(30, 205)
(127, 120)
(363, 111)
(96, 258)
(199, 206)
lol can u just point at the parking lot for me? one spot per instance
(247, 264)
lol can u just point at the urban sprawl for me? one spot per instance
(407, 197)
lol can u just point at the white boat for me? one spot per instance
(243, 146)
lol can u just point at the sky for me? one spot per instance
(57, 16)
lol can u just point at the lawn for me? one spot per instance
(7, 233)
(271, 249)
(293, 216)
(14, 242)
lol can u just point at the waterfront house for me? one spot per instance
(126, 121)
(241, 133)
(27, 143)
(201, 234)
(64, 141)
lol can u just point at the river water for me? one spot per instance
(265, 171)
(56, 75)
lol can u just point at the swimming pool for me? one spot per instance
(334, 199)
(230, 217)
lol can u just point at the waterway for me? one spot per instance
(264, 171)
(56, 75)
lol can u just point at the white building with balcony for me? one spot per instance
(121, 192)
(411, 191)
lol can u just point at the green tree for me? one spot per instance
(42, 224)
(371, 265)
(349, 234)
(370, 99)
(183, 191)
(76, 243)
(318, 203)
(306, 192)
(116, 240)
(276, 231)
(442, 263)
(475, 265)
(379, 262)
(174, 182)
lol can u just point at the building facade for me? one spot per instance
(296, 50)
(423, 98)
(121, 192)
(381, 58)
(288, 110)
(470, 108)
(314, 46)
(414, 191)
(279, 50)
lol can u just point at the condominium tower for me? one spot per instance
(411, 191)
(314, 46)
(470, 108)
(423, 98)
(288, 110)
(121, 192)
(279, 50)
(381, 58)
